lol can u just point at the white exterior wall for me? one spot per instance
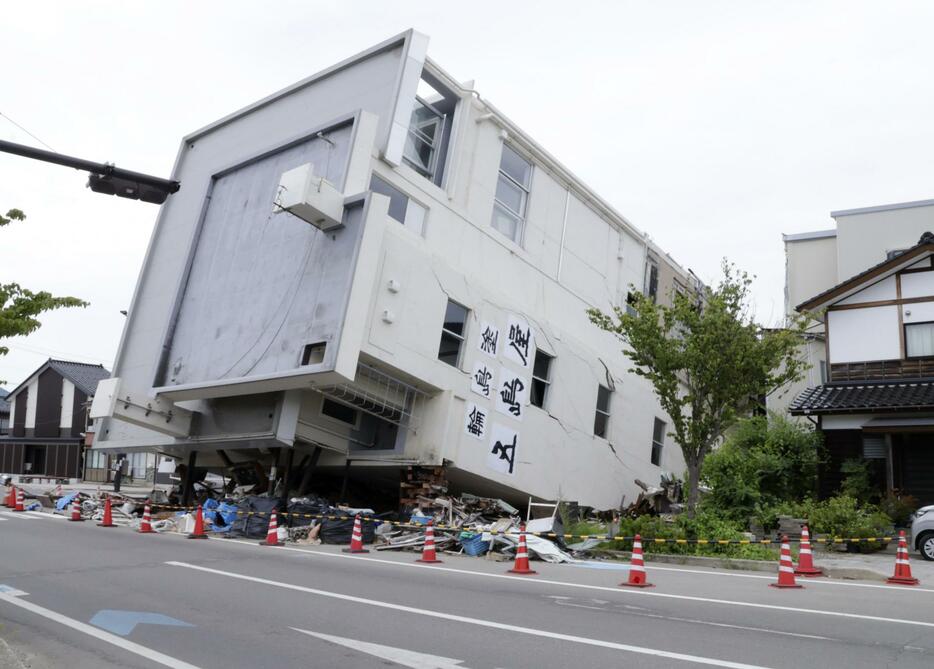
(68, 403)
(864, 239)
(563, 265)
(31, 401)
(810, 268)
(863, 334)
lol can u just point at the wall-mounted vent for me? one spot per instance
(313, 354)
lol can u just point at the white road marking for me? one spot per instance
(47, 516)
(407, 658)
(22, 515)
(107, 637)
(697, 659)
(603, 588)
(416, 565)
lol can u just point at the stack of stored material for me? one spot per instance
(421, 486)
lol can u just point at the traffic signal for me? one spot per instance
(133, 190)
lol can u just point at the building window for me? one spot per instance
(602, 417)
(823, 371)
(339, 412)
(429, 129)
(452, 333)
(652, 282)
(919, 340)
(631, 304)
(401, 208)
(512, 193)
(541, 375)
(658, 442)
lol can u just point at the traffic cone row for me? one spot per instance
(786, 568)
(272, 534)
(522, 556)
(19, 505)
(902, 575)
(145, 525)
(356, 538)
(198, 532)
(108, 520)
(805, 558)
(76, 511)
(428, 552)
(637, 577)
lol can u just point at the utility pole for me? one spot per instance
(104, 177)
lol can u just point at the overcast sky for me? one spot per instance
(713, 126)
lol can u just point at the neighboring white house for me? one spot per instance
(377, 267)
(878, 401)
(816, 261)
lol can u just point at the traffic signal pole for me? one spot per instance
(104, 178)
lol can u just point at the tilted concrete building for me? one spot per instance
(376, 268)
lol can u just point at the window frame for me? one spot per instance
(603, 412)
(905, 327)
(546, 382)
(651, 284)
(658, 446)
(462, 338)
(435, 144)
(354, 426)
(525, 195)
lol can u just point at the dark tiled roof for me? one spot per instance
(864, 397)
(84, 376)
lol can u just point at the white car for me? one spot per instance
(922, 531)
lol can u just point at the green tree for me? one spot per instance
(20, 307)
(707, 359)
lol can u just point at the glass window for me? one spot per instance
(652, 287)
(919, 339)
(421, 144)
(512, 193)
(602, 417)
(658, 442)
(452, 333)
(541, 371)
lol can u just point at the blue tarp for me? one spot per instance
(65, 502)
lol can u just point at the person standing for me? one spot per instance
(118, 471)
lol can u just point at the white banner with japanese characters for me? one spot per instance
(475, 421)
(512, 394)
(483, 381)
(503, 443)
(488, 339)
(519, 345)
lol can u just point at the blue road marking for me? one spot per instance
(124, 622)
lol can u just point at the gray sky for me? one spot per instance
(714, 126)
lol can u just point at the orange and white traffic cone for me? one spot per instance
(145, 525)
(198, 532)
(786, 568)
(272, 534)
(76, 511)
(428, 552)
(356, 538)
(19, 506)
(522, 556)
(902, 575)
(805, 558)
(10, 500)
(637, 577)
(108, 515)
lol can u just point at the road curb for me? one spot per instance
(740, 564)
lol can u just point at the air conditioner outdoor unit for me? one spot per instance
(311, 198)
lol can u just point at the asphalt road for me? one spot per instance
(79, 596)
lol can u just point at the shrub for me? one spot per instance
(899, 507)
(857, 480)
(762, 463)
